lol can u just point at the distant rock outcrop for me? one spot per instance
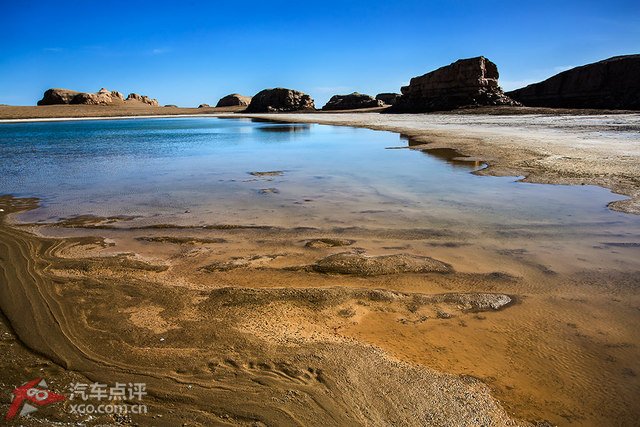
(204, 106)
(234, 100)
(352, 101)
(57, 96)
(612, 84)
(388, 98)
(171, 106)
(280, 99)
(466, 82)
(144, 99)
(102, 97)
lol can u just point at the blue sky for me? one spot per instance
(193, 52)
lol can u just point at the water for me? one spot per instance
(196, 171)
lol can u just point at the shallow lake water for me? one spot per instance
(197, 171)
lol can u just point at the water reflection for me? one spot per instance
(449, 155)
(285, 128)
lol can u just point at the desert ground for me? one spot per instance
(233, 324)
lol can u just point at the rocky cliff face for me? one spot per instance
(279, 100)
(388, 98)
(613, 84)
(234, 100)
(352, 101)
(102, 97)
(466, 82)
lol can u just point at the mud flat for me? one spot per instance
(371, 338)
(545, 146)
(220, 352)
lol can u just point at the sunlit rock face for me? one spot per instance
(466, 82)
(612, 84)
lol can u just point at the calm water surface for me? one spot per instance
(196, 171)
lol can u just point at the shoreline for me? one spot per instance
(542, 153)
(74, 119)
(545, 148)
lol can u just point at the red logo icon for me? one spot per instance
(29, 396)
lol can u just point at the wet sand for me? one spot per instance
(243, 325)
(260, 343)
(238, 325)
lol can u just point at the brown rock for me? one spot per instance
(234, 100)
(204, 106)
(280, 99)
(143, 99)
(57, 96)
(612, 84)
(388, 98)
(466, 82)
(352, 101)
(117, 96)
(363, 265)
(65, 96)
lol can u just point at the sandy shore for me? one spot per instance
(57, 112)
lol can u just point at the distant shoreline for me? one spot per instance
(74, 119)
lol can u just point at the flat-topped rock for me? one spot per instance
(611, 84)
(466, 82)
(280, 100)
(353, 101)
(388, 98)
(234, 100)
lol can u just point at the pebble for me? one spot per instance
(161, 339)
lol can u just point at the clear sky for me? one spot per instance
(191, 52)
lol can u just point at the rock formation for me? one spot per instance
(204, 106)
(280, 99)
(352, 101)
(102, 97)
(171, 106)
(466, 82)
(142, 98)
(388, 98)
(613, 83)
(58, 96)
(234, 100)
